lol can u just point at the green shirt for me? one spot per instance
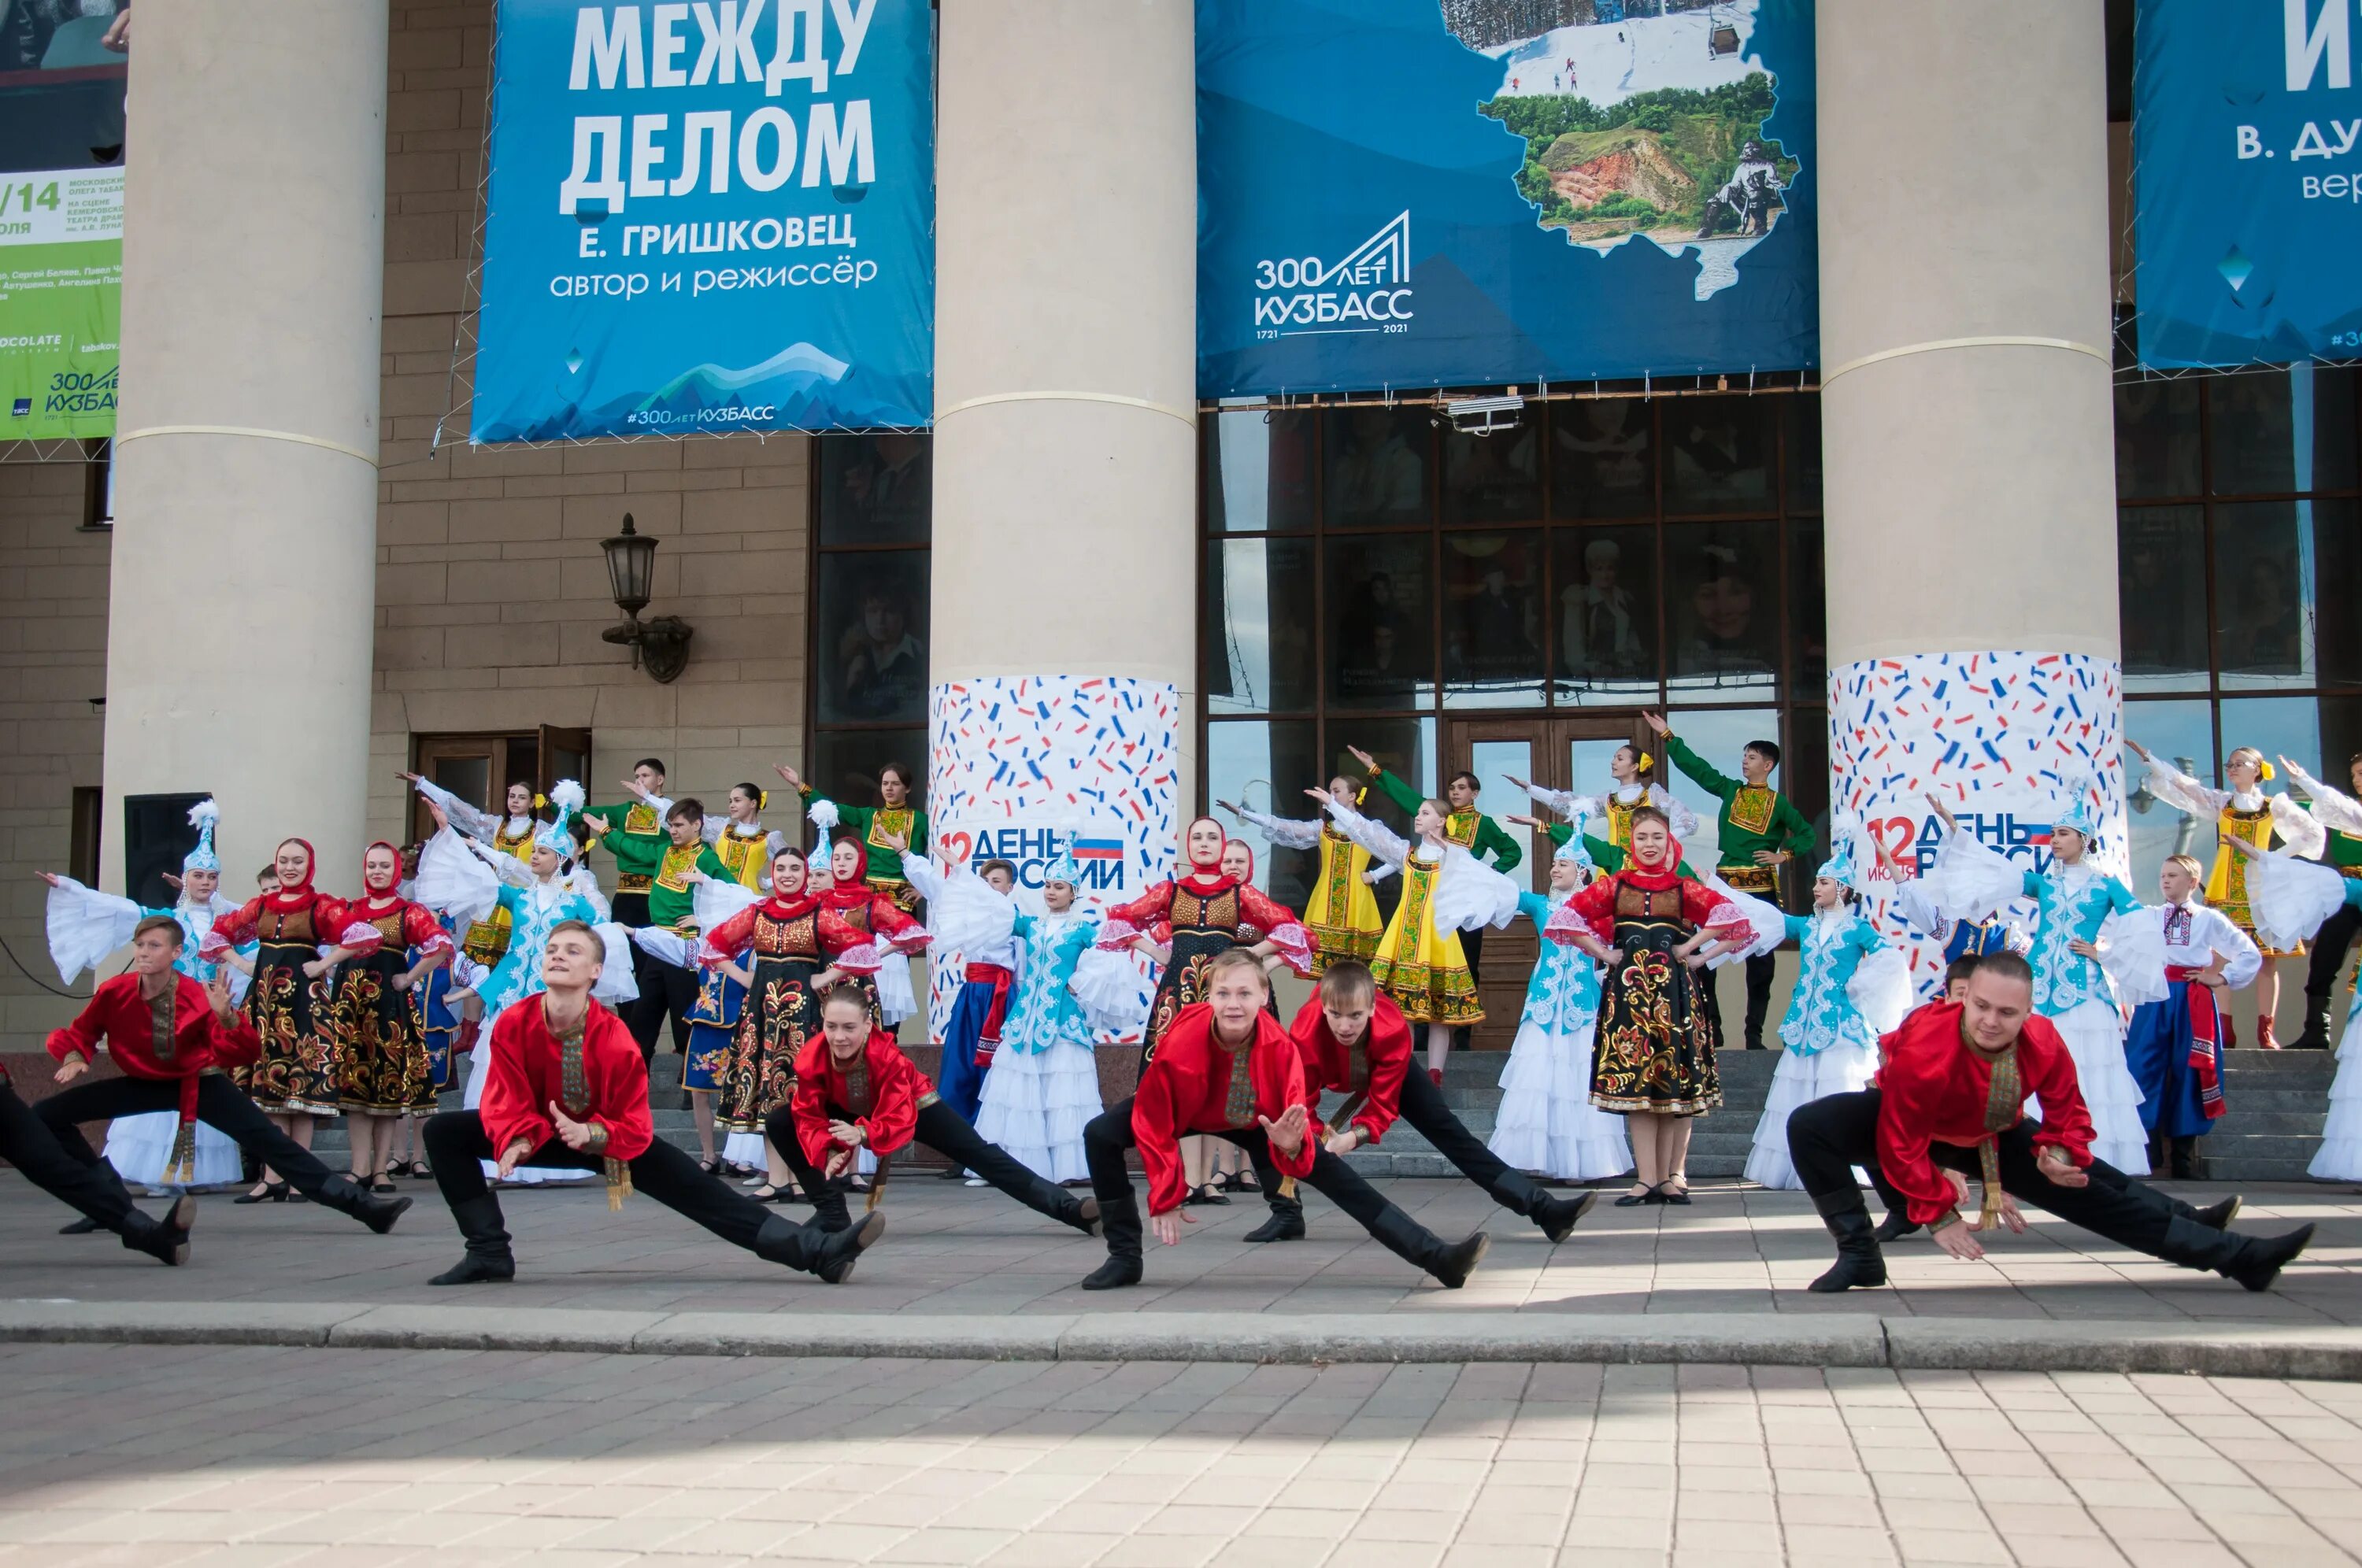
(637, 840)
(1474, 831)
(1604, 854)
(2345, 848)
(1753, 816)
(872, 825)
(672, 901)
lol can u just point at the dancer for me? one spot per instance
(2290, 901)
(972, 1033)
(290, 1000)
(2091, 954)
(1759, 830)
(2341, 820)
(1447, 892)
(84, 926)
(1634, 772)
(1227, 1068)
(1851, 987)
(170, 1038)
(1341, 916)
(1652, 1060)
(878, 827)
(2243, 812)
(1909, 902)
(1950, 1100)
(1546, 1121)
(855, 1089)
(638, 841)
(568, 1089)
(375, 1013)
(851, 896)
(27, 1142)
(741, 841)
(1354, 1039)
(792, 949)
(667, 991)
(1208, 912)
(512, 835)
(2174, 1046)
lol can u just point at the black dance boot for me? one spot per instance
(2218, 1216)
(828, 1254)
(1897, 1224)
(2181, 1159)
(165, 1239)
(1081, 1212)
(345, 1196)
(1859, 1262)
(1454, 1263)
(82, 1227)
(1119, 1224)
(2254, 1261)
(2262, 1257)
(2318, 1011)
(1286, 1221)
(488, 1260)
(828, 1207)
(1557, 1216)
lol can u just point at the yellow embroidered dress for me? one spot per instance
(1341, 915)
(2254, 816)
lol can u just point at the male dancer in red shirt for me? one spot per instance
(1226, 1068)
(568, 1088)
(1950, 1100)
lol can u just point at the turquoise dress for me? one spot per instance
(1546, 1123)
(1820, 1013)
(1044, 1084)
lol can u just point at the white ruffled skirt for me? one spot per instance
(1799, 1080)
(1036, 1104)
(137, 1147)
(2340, 1158)
(2095, 1039)
(1547, 1123)
(479, 1067)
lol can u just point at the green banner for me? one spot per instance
(60, 301)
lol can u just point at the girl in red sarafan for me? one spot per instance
(377, 1017)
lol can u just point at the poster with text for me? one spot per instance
(61, 135)
(707, 217)
(2248, 182)
(1451, 193)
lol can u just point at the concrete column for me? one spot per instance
(243, 602)
(1965, 416)
(1064, 605)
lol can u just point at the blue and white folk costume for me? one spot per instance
(1547, 1123)
(1912, 903)
(84, 926)
(2288, 899)
(2175, 1046)
(979, 1015)
(1851, 989)
(2079, 995)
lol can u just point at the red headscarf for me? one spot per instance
(1204, 878)
(1666, 872)
(847, 893)
(286, 897)
(789, 906)
(370, 892)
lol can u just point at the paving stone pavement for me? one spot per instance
(269, 1458)
(952, 1249)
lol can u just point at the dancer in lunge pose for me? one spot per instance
(568, 1087)
(1228, 1068)
(27, 1142)
(1546, 1121)
(1951, 1102)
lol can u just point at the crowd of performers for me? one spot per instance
(2055, 1064)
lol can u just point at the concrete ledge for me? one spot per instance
(2230, 1350)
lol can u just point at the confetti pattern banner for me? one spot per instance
(1017, 765)
(2003, 739)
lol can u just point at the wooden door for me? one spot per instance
(561, 754)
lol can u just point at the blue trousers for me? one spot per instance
(2157, 1049)
(960, 1081)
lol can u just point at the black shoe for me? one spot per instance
(1459, 1260)
(1278, 1228)
(1557, 1216)
(2261, 1260)
(472, 1269)
(1859, 1262)
(269, 1192)
(1898, 1224)
(2316, 1036)
(1113, 1274)
(844, 1248)
(165, 1239)
(2218, 1216)
(1083, 1214)
(81, 1227)
(951, 1172)
(1204, 1196)
(1755, 1042)
(347, 1195)
(1668, 1193)
(1635, 1199)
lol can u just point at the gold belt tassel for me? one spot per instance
(619, 1184)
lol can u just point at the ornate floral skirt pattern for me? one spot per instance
(1653, 1051)
(296, 1072)
(382, 1067)
(779, 1014)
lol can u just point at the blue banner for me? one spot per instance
(707, 217)
(2248, 182)
(1449, 193)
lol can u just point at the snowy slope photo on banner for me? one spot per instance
(707, 217)
(1447, 193)
(2248, 182)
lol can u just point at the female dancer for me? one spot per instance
(2242, 811)
(893, 818)
(1341, 916)
(793, 947)
(1851, 987)
(379, 1025)
(1634, 771)
(740, 840)
(854, 897)
(2079, 906)
(1547, 1123)
(1205, 911)
(1445, 889)
(290, 1002)
(2290, 900)
(1652, 1062)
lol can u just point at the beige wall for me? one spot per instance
(490, 588)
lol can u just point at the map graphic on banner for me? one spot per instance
(708, 218)
(2248, 182)
(1450, 192)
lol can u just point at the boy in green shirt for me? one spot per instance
(887, 830)
(683, 860)
(638, 842)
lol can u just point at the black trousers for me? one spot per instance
(664, 988)
(1471, 947)
(1110, 1135)
(2329, 945)
(940, 1128)
(1759, 995)
(1423, 1109)
(457, 1142)
(27, 1142)
(1828, 1138)
(221, 1106)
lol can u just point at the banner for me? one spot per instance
(1450, 192)
(2248, 182)
(62, 234)
(707, 217)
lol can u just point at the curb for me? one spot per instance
(1851, 1340)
